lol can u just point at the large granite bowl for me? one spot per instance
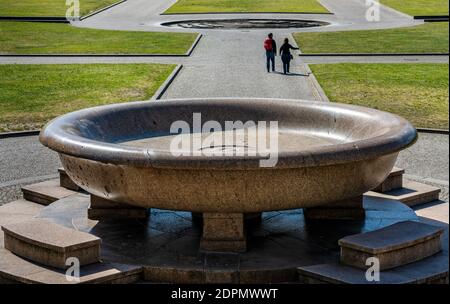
(327, 152)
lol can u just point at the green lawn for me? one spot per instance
(48, 8)
(51, 38)
(246, 6)
(426, 38)
(31, 95)
(419, 7)
(417, 92)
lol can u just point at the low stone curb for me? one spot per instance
(316, 85)
(194, 45)
(246, 13)
(19, 134)
(435, 18)
(187, 54)
(313, 82)
(163, 88)
(35, 19)
(370, 54)
(57, 19)
(435, 131)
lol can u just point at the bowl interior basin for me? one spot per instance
(308, 133)
(289, 140)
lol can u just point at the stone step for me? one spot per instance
(392, 182)
(395, 245)
(66, 182)
(412, 193)
(101, 208)
(348, 209)
(45, 193)
(50, 244)
(14, 269)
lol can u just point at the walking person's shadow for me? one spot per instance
(292, 74)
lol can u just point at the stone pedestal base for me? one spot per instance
(249, 218)
(101, 208)
(223, 232)
(272, 257)
(349, 209)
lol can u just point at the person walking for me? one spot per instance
(271, 51)
(286, 56)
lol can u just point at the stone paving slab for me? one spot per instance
(22, 207)
(46, 192)
(435, 210)
(429, 271)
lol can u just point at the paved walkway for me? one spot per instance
(231, 64)
(191, 60)
(226, 63)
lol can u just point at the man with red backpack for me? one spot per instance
(271, 51)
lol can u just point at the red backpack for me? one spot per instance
(268, 44)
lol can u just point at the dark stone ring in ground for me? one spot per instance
(167, 244)
(245, 23)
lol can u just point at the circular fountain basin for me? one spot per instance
(224, 24)
(325, 152)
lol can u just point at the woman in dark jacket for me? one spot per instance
(286, 56)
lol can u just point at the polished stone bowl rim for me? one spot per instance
(59, 135)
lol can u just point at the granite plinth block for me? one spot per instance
(223, 232)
